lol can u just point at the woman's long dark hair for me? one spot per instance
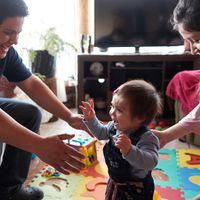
(187, 13)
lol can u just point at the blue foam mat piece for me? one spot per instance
(169, 168)
(186, 184)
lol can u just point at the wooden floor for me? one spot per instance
(60, 126)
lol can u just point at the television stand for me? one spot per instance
(100, 74)
(137, 48)
(103, 49)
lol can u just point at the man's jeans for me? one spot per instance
(15, 165)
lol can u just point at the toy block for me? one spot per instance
(87, 146)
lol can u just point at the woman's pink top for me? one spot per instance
(184, 88)
(191, 122)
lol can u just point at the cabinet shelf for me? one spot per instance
(117, 69)
(136, 68)
(96, 78)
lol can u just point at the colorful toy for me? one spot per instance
(158, 128)
(162, 123)
(152, 126)
(49, 172)
(157, 125)
(33, 156)
(87, 146)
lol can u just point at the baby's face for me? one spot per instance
(121, 116)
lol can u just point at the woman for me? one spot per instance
(186, 21)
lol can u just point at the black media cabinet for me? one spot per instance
(100, 74)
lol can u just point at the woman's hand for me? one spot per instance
(64, 158)
(123, 143)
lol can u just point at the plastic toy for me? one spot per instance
(33, 156)
(152, 126)
(49, 172)
(87, 146)
(162, 123)
(157, 125)
(158, 128)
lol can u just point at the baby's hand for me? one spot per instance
(88, 109)
(123, 143)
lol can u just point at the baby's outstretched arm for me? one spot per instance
(96, 128)
(88, 109)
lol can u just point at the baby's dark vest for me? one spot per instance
(118, 168)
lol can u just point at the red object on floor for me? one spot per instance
(152, 126)
(194, 159)
(162, 123)
(169, 193)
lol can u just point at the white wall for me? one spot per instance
(62, 14)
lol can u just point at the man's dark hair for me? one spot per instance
(187, 13)
(12, 8)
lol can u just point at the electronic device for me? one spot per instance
(134, 23)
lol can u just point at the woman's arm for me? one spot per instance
(170, 134)
(190, 123)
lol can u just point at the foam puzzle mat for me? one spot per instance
(176, 176)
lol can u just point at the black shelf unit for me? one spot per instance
(116, 69)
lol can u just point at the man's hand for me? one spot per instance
(61, 156)
(76, 121)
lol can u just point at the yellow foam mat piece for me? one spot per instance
(186, 156)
